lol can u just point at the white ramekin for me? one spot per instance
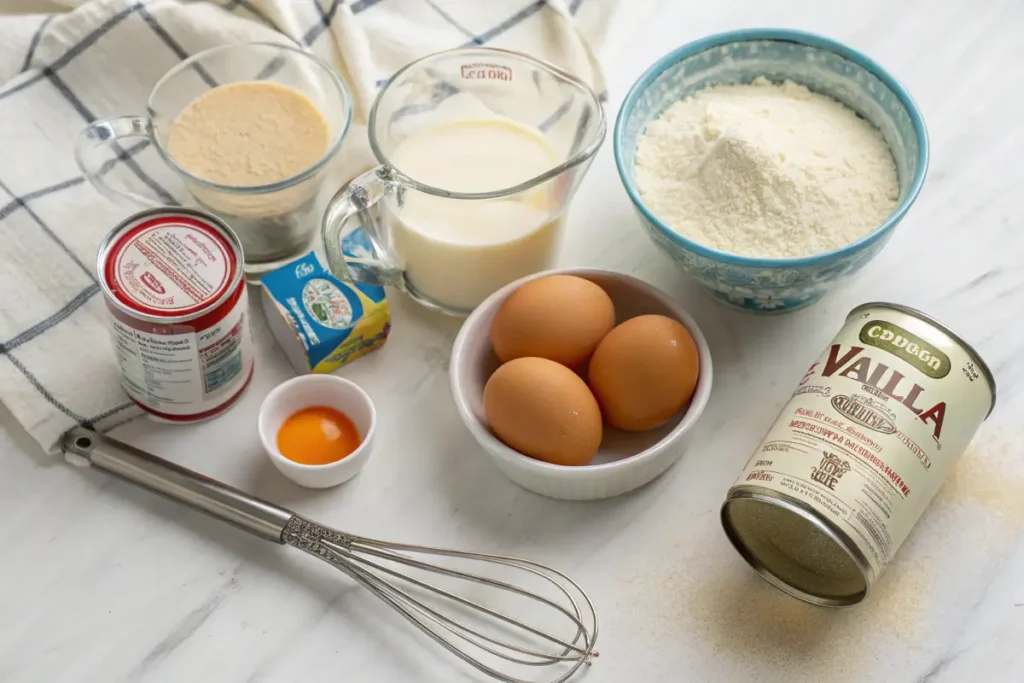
(305, 391)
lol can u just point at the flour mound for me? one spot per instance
(766, 170)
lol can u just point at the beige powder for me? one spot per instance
(248, 134)
(990, 474)
(706, 596)
(757, 633)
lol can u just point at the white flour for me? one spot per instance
(766, 170)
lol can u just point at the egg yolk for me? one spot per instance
(317, 435)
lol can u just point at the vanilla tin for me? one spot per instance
(857, 453)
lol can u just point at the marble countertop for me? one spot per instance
(100, 581)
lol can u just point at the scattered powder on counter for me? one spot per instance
(990, 474)
(720, 609)
(766, 170)
(755, 632)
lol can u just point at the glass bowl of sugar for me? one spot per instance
(769, 164)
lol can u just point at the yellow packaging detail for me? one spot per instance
(320, 322)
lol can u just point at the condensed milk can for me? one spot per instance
(857, 453)
(173, 283)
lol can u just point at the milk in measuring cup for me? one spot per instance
(458, 251)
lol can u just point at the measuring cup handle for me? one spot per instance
(98, 149)
(354, 207)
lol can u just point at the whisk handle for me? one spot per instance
(218, 500)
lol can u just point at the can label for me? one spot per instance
(186, 373)
(874, 426)
(180, 323)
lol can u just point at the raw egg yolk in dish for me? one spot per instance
(317, 435)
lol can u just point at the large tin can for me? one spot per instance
(174, 285)
(857, 454)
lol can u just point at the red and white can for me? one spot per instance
(173, 280)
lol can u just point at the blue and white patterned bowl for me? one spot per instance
(821, 64)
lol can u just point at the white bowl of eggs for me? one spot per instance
(581, 383)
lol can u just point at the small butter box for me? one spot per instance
(320, 322)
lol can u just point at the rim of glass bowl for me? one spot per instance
(779, 35)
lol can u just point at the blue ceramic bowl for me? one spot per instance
(824, 66)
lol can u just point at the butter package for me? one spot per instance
(320, 322)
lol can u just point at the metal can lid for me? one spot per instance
(172, 263)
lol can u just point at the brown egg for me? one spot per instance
(543, 410)
(643, 372)
(558, 317)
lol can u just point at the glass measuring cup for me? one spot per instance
(480, 152)
(275, 222)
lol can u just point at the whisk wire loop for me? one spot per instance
(469, 634)
(361, 559)
(466, 633)
(573, 616)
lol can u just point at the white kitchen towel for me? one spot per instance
(102, 59)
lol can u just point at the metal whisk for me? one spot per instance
(488, 638)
